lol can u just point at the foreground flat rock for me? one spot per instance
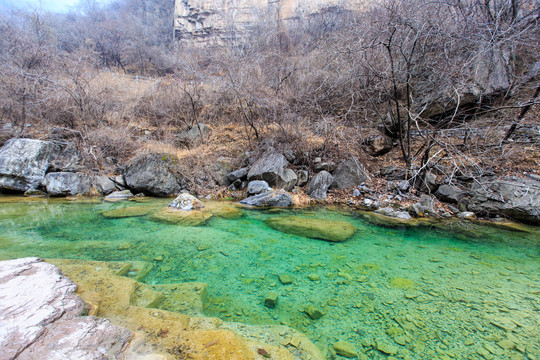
(329, 230)
(40, 317)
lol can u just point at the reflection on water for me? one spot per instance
(448, 291)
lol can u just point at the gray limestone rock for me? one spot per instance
(274, 198)
(104, 184)
(239, 174)
(154, 174)
(186, 202)
(450, 193)
(303, 177)
(514, 197)
(23, 163)
(319, 184)
(257, 186)
(349, 173)
(269, 168)
(67, 183)
(287, 180)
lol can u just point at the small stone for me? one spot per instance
(400, 340)
(503, 323)
(387, 348)
(313, 312)
(158, 258)
(203, 247)
(124, 246)
(314, 277)
(506, 344)
(270, 301)
(468, 342)
(285, 279)
(345, 349)
(494, 350)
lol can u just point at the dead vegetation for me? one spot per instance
(448, 92)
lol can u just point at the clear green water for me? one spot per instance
(460, 280)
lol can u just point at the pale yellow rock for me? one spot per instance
(161, 333)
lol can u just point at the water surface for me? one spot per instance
(457, 291)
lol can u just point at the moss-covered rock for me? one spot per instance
(183, 218)
(329, 230)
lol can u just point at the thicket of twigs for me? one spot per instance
(411, 68)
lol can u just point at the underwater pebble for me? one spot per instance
(345, 349)
(270, 301)
(312, 312)
(285, 279)
(387, 348)
(314, 277)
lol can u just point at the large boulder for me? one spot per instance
(41, 317)
(239, 174)
(319, 184)
(68, 159)
(258, 186)
(274, 198)
(378, 144)
(513, 197)
(349, 173)
(450, 193)
(154, 174)
(23, 163)
(67, 183)
(287, 181)
(105, 185)
(269, 168)
(329, 230)
(193, 135)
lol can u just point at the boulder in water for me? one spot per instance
(329, 230)
(186, 202)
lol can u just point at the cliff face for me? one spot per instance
(220, 21)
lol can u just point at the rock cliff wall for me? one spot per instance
(220, 21)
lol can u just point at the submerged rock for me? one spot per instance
(184, 218)
(41, 317)
(186, 202)
(119, 196)
(313, 312)
(23, 163)
(345, 349)
(131, 211)
(270, 301)
(329, 230)
(278, 198)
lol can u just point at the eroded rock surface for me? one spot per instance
(277, 198)
(329, 230)
(23, 163)
(516, 198)
(67, 183)
(154, 174)
(40, 317)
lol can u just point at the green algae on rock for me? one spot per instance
(183, 218)
(401, 283)
(329, 230)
